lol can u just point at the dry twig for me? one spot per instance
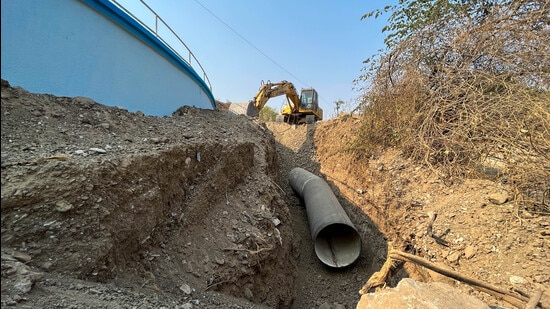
(249, 251)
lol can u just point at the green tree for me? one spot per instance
(268, 114)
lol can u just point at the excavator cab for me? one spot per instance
(308, 97)
(307, 109)
(307, 112)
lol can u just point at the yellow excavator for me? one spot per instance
(298, 109)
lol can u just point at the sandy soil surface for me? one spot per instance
(104, 208)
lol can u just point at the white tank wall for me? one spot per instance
(68, 48)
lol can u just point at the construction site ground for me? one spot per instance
(106, 208)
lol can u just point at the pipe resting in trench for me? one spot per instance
(337, 243)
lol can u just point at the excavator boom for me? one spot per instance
(270, 90)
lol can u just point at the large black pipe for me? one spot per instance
(337, 243)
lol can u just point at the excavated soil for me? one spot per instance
(105, 208)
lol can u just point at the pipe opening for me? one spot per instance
(338, 245)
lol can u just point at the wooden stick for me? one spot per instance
(249, 251)
(534, 300)
(517, 299)
(395, 254)
(450, 273)
(516, 303)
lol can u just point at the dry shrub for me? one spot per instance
(470, 97)
(388, 118)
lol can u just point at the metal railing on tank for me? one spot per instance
(190, 59)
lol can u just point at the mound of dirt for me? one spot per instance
(104, 208)
(171, 211)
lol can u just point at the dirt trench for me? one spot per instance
(106, 208)
(102, 207)
(319, 286)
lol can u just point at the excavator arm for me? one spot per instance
(270, 90)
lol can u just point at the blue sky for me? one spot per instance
(319, 44)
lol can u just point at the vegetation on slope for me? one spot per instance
(463, 86)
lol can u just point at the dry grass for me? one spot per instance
(470, 99)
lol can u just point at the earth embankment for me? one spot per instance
(184, 206)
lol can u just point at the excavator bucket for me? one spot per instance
(251, 110)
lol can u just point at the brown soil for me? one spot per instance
(103, 208)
